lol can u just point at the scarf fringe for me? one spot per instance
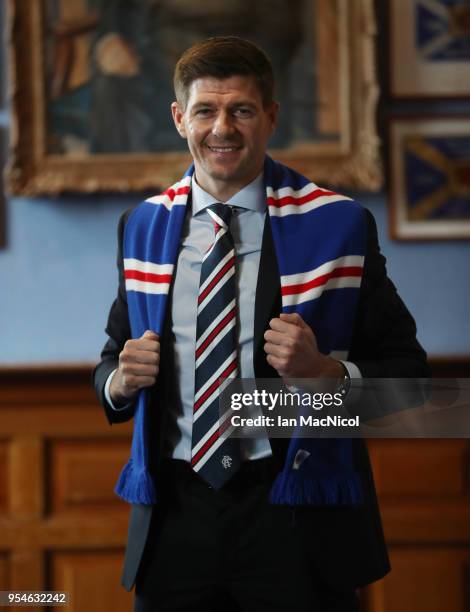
(298, 487)
(136, 485)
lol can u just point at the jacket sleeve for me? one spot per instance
(118, 331)
(384, 343)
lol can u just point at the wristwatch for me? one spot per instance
(345, 383)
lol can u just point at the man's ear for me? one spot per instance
(178, 118)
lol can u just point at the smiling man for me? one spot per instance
(245, 268)
(227, 125)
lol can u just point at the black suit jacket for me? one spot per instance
(345, 545)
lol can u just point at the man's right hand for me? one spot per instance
(139, 363)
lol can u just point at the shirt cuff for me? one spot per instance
(107, 395)
(353, 370)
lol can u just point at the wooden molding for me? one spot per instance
(451, 366)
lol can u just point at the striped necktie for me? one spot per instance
(215, 455)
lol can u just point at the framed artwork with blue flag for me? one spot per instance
(430, 178)
(429, 48)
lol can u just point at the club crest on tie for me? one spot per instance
(226, 461)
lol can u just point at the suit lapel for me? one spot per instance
(268, 304)
(267, 300)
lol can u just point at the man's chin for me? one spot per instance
(225, 173)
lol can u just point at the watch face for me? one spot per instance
(344, 385)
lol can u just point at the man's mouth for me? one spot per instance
(225, 149)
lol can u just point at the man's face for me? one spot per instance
(227, 129)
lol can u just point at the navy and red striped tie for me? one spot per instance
(215, 455)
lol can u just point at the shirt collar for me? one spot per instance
(251, 197)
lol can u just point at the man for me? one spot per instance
(245, 268)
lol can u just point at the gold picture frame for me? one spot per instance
(344, 151)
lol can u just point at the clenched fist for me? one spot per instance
(291, 349)
(139, 363)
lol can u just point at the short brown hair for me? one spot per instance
(222, 57)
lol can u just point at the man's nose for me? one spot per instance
(223, 125)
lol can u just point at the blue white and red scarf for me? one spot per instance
(319, 239)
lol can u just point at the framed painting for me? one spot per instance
(429, 48)
(430, 178)
(91, 88)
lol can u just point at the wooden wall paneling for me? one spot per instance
(450, 366)
(373, 598)
(27, 571)
(83, 473)
(63, 528)
(424, 495)
(3, 475)
(423, 489)
(26, 483)
(4, 557)
(433, 522)
(25, 504)
(59, 461)
(426, 580)
(51, 385)
(4, 572)
(421, 468)
(102, 529)
(92, 581)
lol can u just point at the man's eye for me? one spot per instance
(243, 112)
(203, 112)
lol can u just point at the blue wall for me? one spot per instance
(58, 279)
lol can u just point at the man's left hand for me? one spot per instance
(291, 349)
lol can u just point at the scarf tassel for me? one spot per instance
(136, 485)
(299, 487)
